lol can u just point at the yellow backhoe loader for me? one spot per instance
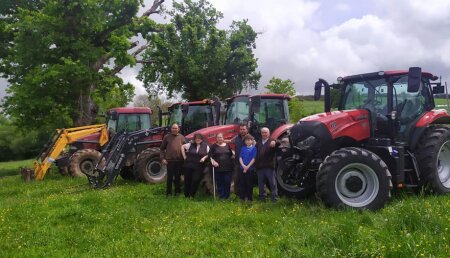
(59, 140)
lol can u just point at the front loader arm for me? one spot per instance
(59, 140)
(115, 155)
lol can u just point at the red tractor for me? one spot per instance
(142, 162)
(85, 152)
(137, 152)
(386, 134)
(257, 111)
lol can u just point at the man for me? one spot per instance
(265, 167)
(172, 157)
(238, 142)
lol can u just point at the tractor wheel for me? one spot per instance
(127, 173)
(433, 156)
(290, 183)
(355, 178)
(83, 162)
(148, 166)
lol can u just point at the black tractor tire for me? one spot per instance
(433, 156)
(354, 178)
(83, 162)
(127, 173)
(292, 189)
(149, 168)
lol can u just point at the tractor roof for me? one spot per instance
(132, 110)
(193, 103)
(382, 74)
(264, 96)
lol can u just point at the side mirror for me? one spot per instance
(160, 114)
(217, 106)
(255, 104)
(113, 114)
(317, 90)
(414, 79)
(184, 109)
(439, 89)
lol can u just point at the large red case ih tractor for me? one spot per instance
(386, 134)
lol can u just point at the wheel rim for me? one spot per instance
(87, 166)
(443, 164)
(154, 168)
(357, 185)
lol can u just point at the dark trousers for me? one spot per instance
(192, 178)
(223, 181)
(235, 179)
(266, 175)
(246, 184)
(173, 176)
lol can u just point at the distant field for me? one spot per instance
(63, 216)
(312, 107)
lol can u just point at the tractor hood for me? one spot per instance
(210, 133)
(353, 124)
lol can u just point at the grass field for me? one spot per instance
(62, 216)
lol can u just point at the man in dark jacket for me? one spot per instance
(238, 142)
(172, 157)
(265, 166)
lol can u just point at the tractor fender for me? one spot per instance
(439, 116)
(433, 117)
(278, 132)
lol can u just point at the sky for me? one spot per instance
(305, 40)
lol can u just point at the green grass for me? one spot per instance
(62, 216)
(12, 168)
(312, 107)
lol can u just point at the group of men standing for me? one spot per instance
(245, 172)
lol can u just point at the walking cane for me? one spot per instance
(214, 183)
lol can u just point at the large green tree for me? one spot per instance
(194, 57)
(61, 57)
(280, 86)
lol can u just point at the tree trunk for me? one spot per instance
(87, 111)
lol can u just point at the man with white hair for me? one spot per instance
(265, 165)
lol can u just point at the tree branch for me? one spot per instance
(154, 8)
(145, 61)
(135, 54)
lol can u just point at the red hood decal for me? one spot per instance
(349, 123)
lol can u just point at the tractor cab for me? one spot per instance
(393, 107)
(265, 110)
(128, 119)
(192, 116)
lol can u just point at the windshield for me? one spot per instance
(129, 122)
(372, 94)
(272, 113)
(237, 111)
(198, 116)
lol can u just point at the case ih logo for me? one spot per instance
(333, 125)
